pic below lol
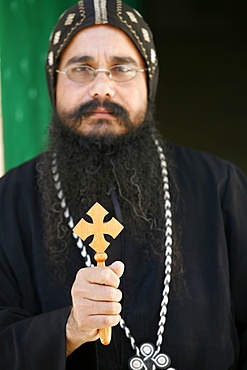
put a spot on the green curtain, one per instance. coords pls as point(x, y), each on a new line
point(25, 26)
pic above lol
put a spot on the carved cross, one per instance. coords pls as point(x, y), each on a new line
point(98, 229)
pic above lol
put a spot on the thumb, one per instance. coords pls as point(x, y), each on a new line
point(118, 268)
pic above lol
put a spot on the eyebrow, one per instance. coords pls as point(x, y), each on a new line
point(123, 60)
point(114, 59)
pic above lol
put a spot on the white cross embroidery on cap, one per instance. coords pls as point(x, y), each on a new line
point(56, 37)
point(132, 17)
point(50, 58)
point(146, 35)
point(153, 56)
point(69, 19)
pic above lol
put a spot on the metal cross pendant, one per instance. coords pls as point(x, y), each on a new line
point(98, 228)
point(146, 360)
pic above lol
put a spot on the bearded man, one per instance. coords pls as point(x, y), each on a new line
point(181, 302)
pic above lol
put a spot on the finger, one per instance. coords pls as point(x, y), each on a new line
point(95, 322)
point(92, 308)
point(110, 275)
point(98, 275)
point(118, 268)
point(103, 308)
point(97, 292)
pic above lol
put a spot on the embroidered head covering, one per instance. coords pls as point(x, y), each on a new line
point(86, 13)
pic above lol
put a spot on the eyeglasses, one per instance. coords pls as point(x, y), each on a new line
point(118, 73)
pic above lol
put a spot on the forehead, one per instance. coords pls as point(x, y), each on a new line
point(100, 42)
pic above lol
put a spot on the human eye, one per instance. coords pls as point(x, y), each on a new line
point(122, 73)
point(81, 69)
point(121, 69)
point(80, 73)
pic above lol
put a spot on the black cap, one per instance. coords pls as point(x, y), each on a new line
point(86, 13)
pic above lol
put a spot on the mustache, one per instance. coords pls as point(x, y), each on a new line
point(85, 110)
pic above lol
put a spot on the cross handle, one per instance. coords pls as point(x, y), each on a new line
point(98, 228)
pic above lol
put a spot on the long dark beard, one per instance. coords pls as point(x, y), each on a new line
point(91, 169)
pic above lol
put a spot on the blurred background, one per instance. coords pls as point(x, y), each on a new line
point(202, 94)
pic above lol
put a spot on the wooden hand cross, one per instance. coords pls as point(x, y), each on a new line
point(98, 228)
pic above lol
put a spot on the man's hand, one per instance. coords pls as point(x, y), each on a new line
point(95, 304)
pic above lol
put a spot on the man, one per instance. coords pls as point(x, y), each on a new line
point(181, 302)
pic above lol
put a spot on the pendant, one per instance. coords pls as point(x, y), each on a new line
point(146, 360)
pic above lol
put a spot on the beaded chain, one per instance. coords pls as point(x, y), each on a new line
point(146, 352)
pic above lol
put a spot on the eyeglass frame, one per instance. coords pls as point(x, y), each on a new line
point(107, 71)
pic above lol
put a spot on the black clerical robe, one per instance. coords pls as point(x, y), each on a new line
point(207, 313)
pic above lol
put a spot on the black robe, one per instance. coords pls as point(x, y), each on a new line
point(207, 316)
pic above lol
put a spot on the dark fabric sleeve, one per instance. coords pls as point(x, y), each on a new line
point(235, 214)
point(31, 338)
point(33, 309)
point(28, 341)
point(33, 343)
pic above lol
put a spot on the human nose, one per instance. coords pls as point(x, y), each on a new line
point(101, 86)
